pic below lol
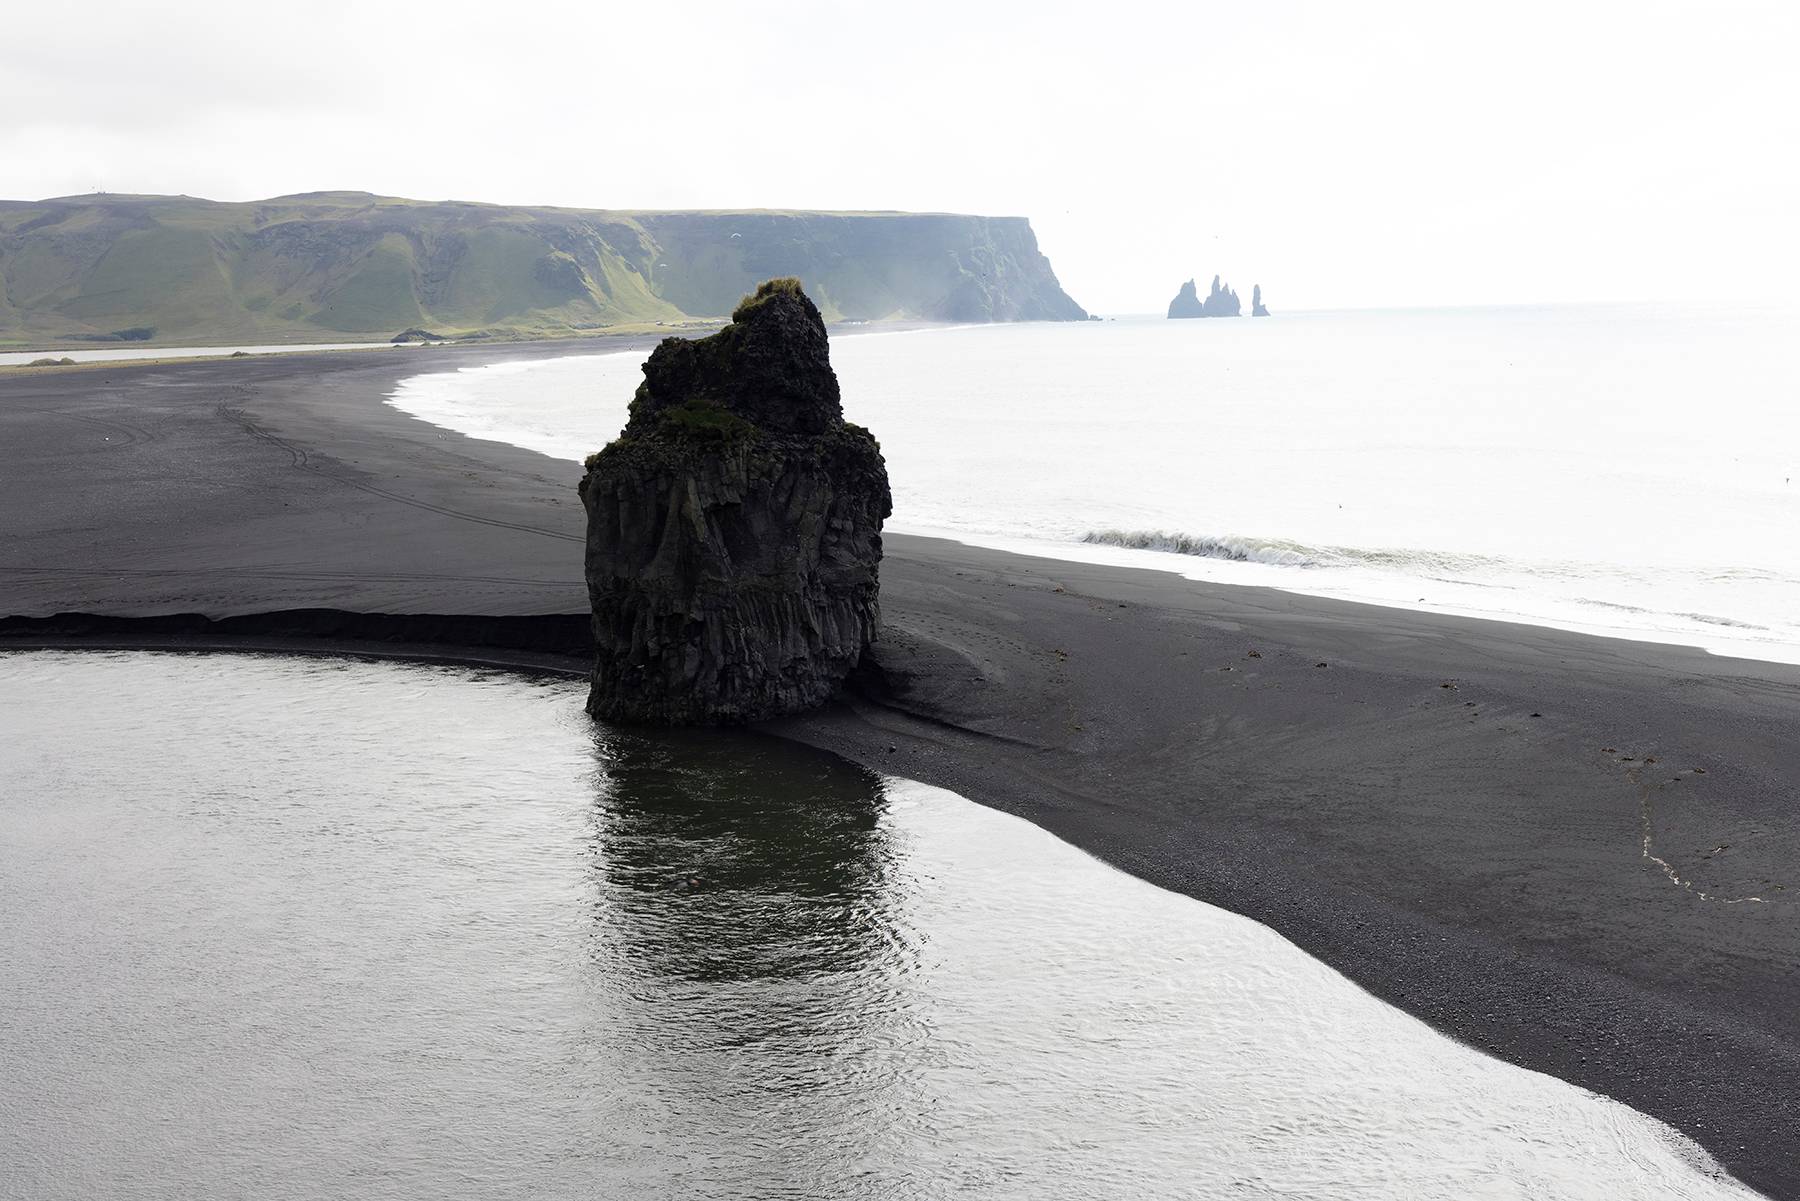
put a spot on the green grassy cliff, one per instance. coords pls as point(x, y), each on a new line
point(345, 266)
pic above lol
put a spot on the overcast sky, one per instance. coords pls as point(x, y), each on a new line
point(1339, 153)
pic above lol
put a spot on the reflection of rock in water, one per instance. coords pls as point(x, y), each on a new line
point(735, 857)
point(770, 1004)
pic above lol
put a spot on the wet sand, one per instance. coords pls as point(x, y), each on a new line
point(1577, 853)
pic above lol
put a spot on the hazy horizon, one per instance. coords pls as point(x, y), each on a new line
point(1420, 156)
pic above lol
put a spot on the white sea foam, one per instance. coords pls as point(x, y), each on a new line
point(1234, 550)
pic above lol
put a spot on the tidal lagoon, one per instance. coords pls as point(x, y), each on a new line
point(323, 928)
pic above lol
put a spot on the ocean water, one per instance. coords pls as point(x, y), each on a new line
point(1626, 470)
point(307, 928)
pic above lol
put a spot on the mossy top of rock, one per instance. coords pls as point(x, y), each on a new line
point(786, 286)
point(768, 371)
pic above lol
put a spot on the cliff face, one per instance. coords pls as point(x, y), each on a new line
point(326, 265)
point(734, 527)
point(933, 267)
point(1220, 302)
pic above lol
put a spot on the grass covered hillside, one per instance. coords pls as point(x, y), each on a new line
point(343, 266)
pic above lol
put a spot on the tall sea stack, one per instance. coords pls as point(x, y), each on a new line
point(734, 527)
point(1220, 302)
point(1187, 302)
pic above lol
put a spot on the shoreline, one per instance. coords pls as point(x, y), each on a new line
point(1472, 853)
point(622, 340)
point(120, 353)
point(1575, 589)
point(419, 654)
point(1194, 568)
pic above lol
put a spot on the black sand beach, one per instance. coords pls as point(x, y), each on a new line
point(1577, 853)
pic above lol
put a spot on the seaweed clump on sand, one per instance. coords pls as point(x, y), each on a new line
point(734, 527)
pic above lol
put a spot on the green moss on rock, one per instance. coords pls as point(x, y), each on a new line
point(787, 285)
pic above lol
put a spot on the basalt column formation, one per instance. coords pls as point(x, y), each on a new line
point(734, 527)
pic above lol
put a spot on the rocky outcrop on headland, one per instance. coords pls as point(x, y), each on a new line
point(1220, 302)
point(734, 527)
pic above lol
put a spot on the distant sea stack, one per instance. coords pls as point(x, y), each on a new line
point(1187, 302)
point(1256, 304)
point(734, 527)
point(1220, 302)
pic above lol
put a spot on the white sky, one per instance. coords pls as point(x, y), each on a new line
point(1339, 153)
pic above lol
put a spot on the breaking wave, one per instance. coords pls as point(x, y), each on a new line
point(1445, 566)
point(1237, 550)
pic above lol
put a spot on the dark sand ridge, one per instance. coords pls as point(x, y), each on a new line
point(1475, 854)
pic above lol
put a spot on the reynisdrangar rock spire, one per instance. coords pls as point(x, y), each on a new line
point(1222, 301)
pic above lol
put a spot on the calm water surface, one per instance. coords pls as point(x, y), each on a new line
point(294, 928)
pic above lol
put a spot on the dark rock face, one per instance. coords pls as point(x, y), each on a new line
point(1004, 277)
point(1256, 304)
point(1220, 302)
point(734, 527)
